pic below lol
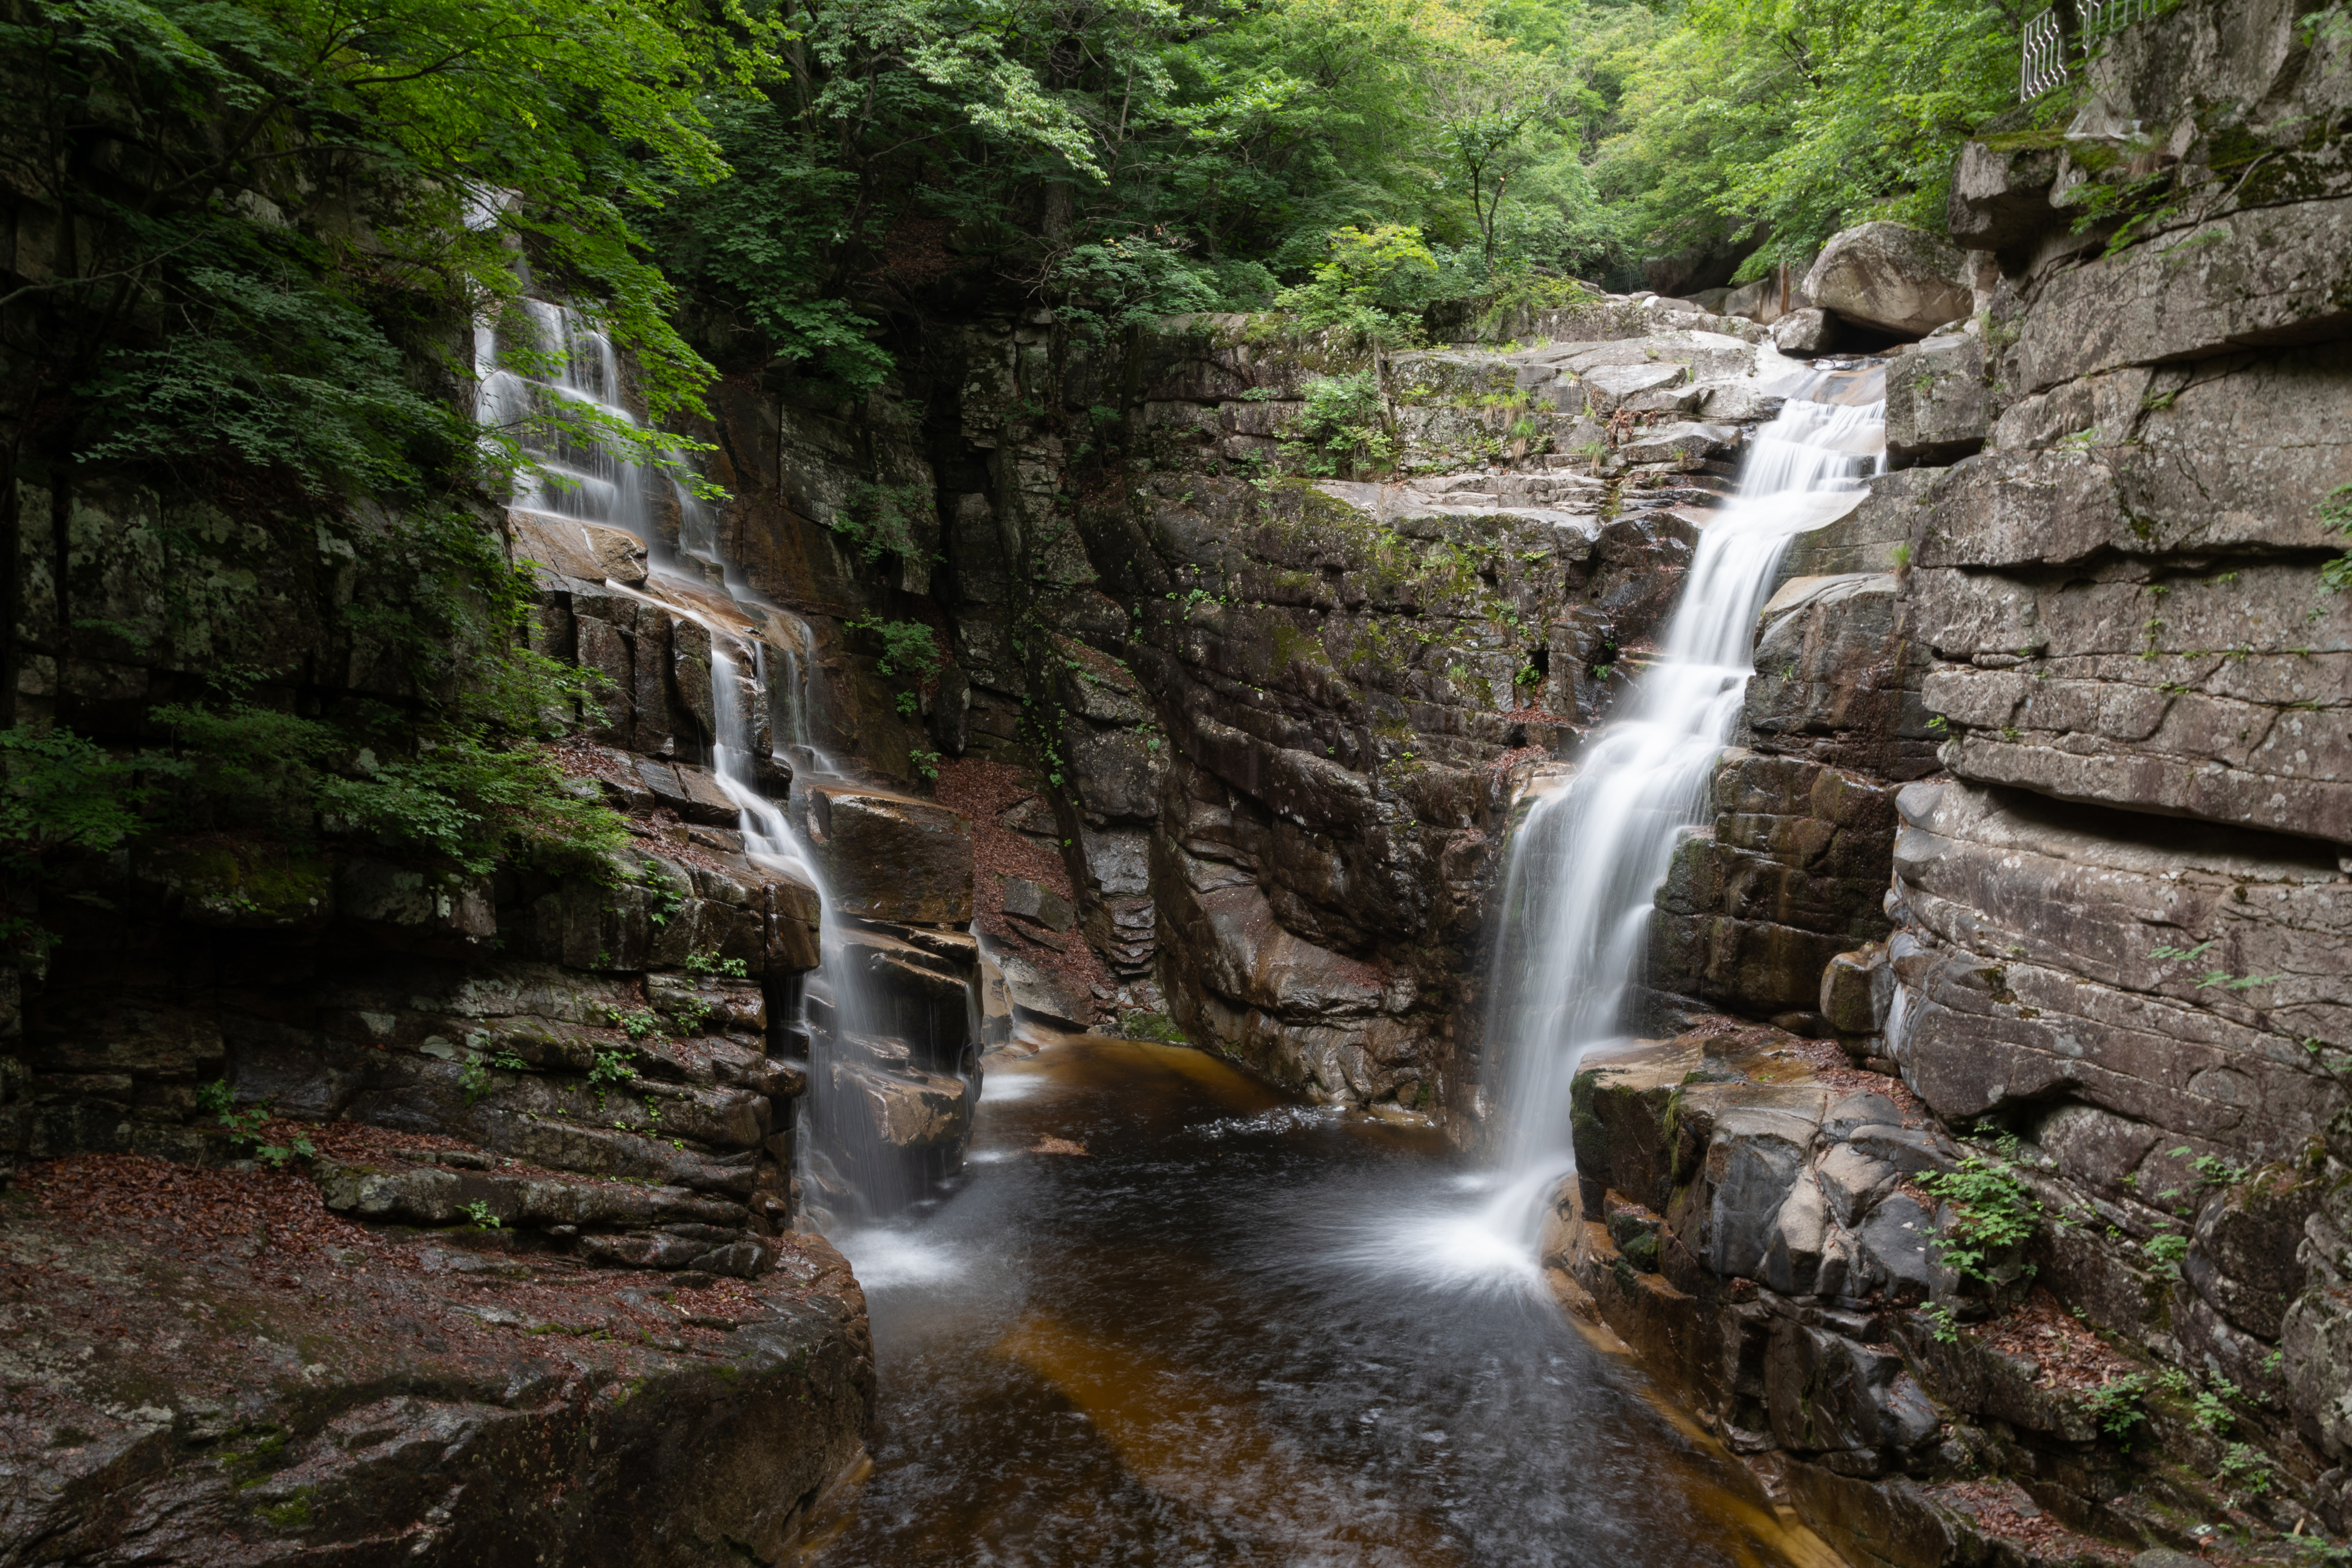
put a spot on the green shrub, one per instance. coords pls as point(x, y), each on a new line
point(1341, 427)
point(1372, 284)
point(1990, 1214)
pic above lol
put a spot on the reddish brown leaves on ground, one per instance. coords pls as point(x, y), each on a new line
point(2069, 1351)
point(2003, 1508)
point(1837, 1071)
point(191, 1211)
point(986, 793)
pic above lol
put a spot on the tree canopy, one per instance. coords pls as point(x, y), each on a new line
point(251, 241)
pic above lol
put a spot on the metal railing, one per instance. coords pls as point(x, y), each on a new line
point(2052, 46)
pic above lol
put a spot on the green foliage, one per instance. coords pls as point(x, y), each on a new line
point(1372, 285)
point(271, 341)
point(2246, 1470)
point(468, 789)
point(478, 1211)
point(1990, 1214)
point(637, 1024)
point(2118, 1406)
point(2336, 517)
point(1341, 426)
point(879, 519)
point(1132, 281)
point(1787, 120)
point(61, 792)
point(700, 963)
point(1942, 1323)
point(474, 1079)
point(611, 1068)
point(245, 1128)
point(911, 649)
point(908, 647)
point(2165, 1251)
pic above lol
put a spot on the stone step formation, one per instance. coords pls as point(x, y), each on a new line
point(1975, 1165)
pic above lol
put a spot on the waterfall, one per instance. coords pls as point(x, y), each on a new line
point(565, 478)
point(1584, 864)
point(755, 712)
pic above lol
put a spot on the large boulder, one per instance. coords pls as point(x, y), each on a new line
point(1891, 277)
point(885, 856)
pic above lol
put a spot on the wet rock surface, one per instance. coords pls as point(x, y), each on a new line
point(2076, 661)
point(207, 1366)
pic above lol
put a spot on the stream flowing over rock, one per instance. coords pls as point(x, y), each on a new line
point(364, 1204)
point(2053, 740)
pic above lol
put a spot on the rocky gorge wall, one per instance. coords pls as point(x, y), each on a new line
point(2059, 721)
point(1223, 742)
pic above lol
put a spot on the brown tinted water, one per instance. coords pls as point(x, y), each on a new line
point(1205, 1341)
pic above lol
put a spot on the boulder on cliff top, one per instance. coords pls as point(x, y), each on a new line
point(1891, 277)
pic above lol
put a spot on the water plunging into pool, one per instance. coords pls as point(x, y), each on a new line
point(1182, 1343)
point(1232, 1331)
point(765, 686)
point(1571, 923)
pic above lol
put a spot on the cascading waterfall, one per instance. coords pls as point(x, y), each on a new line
point(567, 478)
point(690, 579)
point(1585, 864)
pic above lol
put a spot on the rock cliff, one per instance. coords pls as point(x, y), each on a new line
point(2059, 727)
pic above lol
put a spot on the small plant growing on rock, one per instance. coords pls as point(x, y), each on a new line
point(245, 1126)
point(2118, 1405)
point(662, 899)
point(479, 1213)
point(712, 963)
point(1990, 1214)
point(609, 1067)
point(2336, 517)
point(638, 1023)
point(1340, 427)
point(474, 1078)
point(1941, 1323)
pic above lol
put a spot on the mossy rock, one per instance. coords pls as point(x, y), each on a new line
point(241, 884)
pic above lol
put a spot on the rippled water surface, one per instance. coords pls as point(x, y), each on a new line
point(1238, 1331)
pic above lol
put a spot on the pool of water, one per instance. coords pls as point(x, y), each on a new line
point(1212, 1337)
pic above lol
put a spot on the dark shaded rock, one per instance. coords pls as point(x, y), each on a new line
point(333, 1389)
point(1752, 911)
point(2000, 198)
point(888, 856)
point(1825, 1392)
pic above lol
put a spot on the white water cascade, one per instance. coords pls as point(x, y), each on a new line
point(763, 670)
point(1584, 865)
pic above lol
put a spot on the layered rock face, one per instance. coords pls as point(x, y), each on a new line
point(1348, 669)
point(539, 1101)
point(1260, 719)
point(2076, 708)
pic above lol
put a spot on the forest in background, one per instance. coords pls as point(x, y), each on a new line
point(247, 238)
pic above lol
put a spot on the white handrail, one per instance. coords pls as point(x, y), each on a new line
point(2043, 62)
